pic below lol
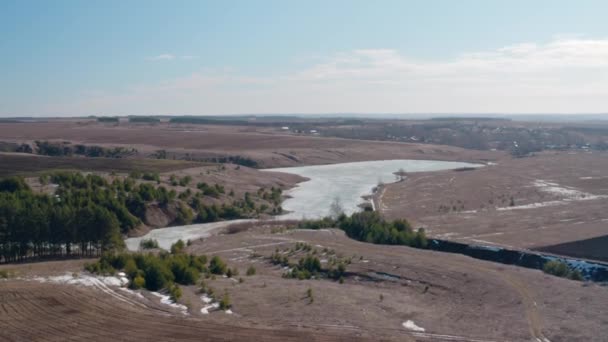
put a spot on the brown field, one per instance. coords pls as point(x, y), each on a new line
point(269, 148)
point(29, 164)
point(554, 202)
point(455, 298)
point(466, 206)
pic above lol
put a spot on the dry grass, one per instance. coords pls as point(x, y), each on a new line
point(20, 164)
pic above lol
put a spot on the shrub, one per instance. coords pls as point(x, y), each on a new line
point(225, 302)
point(178, 247)
point(175, 292)
point(131, 269)
point(217, 265)
point(185, 181)
point(184, 215)
point(561, 269)
point(157, 275)
point(576, 275)
point(251, 271)
point(148, 244)
point(138, 282)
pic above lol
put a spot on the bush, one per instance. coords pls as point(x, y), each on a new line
point(178, 247)
point(251, 271)
point(131, 269)
point(175, 292)
point(185, 181)
point(138, 282)
point(148, 244)
point(217, 265)
point(13, 184)
point(225, 302)
point(157, 276)
point(561, 269)
point(184, 215)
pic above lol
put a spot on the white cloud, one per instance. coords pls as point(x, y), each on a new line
point(170, 57)
point(162, 57)
point(565, 75)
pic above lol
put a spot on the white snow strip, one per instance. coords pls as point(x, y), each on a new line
point(410, 325)
point(532, 205)
point(100, 283)
point(166, 300)
point(205, 310)
point(206, 299)
point(137, 294)
point(554, 188)
point(468, 212)
point(85, 280)
point(569, 195)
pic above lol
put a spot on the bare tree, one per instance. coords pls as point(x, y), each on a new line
point(336, 209)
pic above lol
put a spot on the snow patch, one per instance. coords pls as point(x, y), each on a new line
point(100, 283)
point(468, 212)
point(214, 306)
point(206, 299)
point(166, 300)
point(86, 280)
point(410, 325)
point(136, 294)
point(554, 188)
point(568, 194)
point(229, 312)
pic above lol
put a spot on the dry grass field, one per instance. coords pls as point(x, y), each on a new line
point(30, 164)
point(268, 148)
point(452, 297)
point(528, 203)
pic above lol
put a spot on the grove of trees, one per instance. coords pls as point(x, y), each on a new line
point(83, 217)
point(369, 226)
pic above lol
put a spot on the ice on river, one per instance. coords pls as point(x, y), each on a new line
point(348, 182)
point(167, 236)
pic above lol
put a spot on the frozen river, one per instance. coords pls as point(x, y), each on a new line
point(347, 182)
point(168, 236)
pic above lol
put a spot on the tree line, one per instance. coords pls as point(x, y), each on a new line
point(87, 214)
point(369, 226)
point(83, 217)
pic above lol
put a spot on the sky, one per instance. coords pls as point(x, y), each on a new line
point(77, 58)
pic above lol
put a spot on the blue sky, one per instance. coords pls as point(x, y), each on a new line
point(226, 57)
